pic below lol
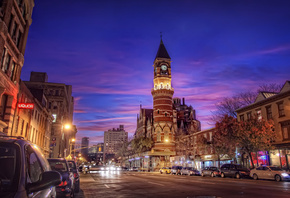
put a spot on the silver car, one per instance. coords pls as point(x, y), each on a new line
point(269, 172)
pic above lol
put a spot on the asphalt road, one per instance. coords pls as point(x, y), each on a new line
point(138, 184)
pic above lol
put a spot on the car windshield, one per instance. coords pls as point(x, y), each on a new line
point(9, 167)
point(59, 166)
point(275, 168)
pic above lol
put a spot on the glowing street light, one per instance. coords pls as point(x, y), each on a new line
point(67, 126)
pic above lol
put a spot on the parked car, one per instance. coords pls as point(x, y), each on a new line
point(73, 167)
point(24, 172)
point(66, 187)
point(270, 172)
point(175, 170)
point(166, 170)
point(234, 170)
point(210, 171)
point(189, 171)
point(133, 169)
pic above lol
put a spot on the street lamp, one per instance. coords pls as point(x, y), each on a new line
point(67, 126)
point(71, 143)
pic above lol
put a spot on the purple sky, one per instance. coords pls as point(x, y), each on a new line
point(105, 49)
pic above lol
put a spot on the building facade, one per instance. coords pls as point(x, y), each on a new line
point(61, 104)
point(113, 141)
point(33, 122)
point(15, 20)
point(276, 107)
point(85, 147)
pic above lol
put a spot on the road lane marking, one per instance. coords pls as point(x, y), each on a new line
point(156, 183)
point(106, 186)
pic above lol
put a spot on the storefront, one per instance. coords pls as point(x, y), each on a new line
point(277, 157)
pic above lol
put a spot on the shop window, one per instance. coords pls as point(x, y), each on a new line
point(283, 159)
point(274, 158)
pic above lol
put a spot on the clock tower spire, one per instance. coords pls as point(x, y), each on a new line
point(162, 93)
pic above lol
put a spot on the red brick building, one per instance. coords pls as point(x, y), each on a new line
point(15, 20)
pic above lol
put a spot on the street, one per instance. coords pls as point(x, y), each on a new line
point(139, 184)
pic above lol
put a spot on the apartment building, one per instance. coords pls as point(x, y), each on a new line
point(15, 20)
point(276, 107)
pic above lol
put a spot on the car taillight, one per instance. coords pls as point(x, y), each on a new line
point(75, 175)
point(63, 183)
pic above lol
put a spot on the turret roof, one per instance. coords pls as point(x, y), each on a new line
point(162, 52)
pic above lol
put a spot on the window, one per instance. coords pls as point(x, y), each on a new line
point(16, 125)
point(158, 136)
point(269, 112)
point(249, 115)
point(259, 114)
point(281, 109)
point(12, 71)
point(6, 62)
point(242, 117)
point(26, 130)
point(3, 58)
point(34, 169)
point(22, 127)
point(13, 33)
point(285, 126)
point(10, 22)
point(18, 38)
point(3, 106)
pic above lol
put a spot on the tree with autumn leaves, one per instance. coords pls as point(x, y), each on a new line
point(223, 139)
point(251, 135)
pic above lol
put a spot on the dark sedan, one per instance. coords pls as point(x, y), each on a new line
point(234, 170)
point(66, 187)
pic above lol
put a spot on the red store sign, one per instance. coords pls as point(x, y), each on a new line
point(25, 105)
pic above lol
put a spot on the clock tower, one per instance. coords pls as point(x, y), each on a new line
point(162, 93)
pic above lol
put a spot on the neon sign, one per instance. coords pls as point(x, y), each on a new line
point(25, 105)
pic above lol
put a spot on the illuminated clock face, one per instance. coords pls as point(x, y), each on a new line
point(163, 67)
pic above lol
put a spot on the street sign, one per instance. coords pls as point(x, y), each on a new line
point(25, 105)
